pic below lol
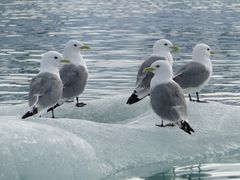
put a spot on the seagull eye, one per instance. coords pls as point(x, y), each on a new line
point(157, 66)
point(165, 44)
point(55, 57)
point(75, 45)
point(208, 49)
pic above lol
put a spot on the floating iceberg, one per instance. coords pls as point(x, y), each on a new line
point(108, 139)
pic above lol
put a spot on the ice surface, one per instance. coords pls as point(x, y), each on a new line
point(109, 110)
point(108, 139)
point(36, 151)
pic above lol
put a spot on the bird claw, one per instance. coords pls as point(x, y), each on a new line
point(81, 104)
point(198, 101)
point(202, 101)
point(165, 125)
point(169, 125)
point(159, 125)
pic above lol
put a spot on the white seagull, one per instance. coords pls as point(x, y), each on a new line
point(46, 86)
point(166, 96)
point(196, 74)
point(161, 51)
point(74, 76)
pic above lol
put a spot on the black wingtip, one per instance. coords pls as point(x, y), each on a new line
point(30, 113)
point(133, 99)
point(186, 127)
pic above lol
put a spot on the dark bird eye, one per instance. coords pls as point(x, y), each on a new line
point(208, 49)
point(157, 66)
point(75, 45)
point(165, 44)
point(55, 57)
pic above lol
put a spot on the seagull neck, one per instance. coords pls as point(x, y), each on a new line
point(49, 69)
point(169, 58)
point(76, 59)
point(166, 55)
point(160, 79)
point(205, 60)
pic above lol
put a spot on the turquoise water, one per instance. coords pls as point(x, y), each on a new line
point(121, 34)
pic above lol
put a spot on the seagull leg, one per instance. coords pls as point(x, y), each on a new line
point(160, 125)
point(190, 98)
point(198, 100)
point(52, 110)
point(80, 104)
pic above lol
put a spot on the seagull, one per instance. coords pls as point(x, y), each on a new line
point(196, 74)
point(166, 96)
point(46, 86)
point(74, 76)
point(161, 51)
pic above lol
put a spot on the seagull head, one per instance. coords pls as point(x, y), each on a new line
point(72, 51)
point(50, 62)
point(164, 46)
point(75, 46)
point(52, 58)
point(201, 51)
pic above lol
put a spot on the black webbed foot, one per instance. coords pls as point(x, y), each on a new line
point(199, 101)
point(159, 125)
point(81, 104)
point(169, 125)
point(165, 125)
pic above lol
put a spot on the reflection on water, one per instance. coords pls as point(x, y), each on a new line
point(121, 34)
point(201, 171)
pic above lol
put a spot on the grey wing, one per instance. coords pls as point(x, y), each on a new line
point(192, 74)
point(168, 102)
point(74, 80)
point(38, 86)
point(144, 79)
point(147, 63)
point(68, 74)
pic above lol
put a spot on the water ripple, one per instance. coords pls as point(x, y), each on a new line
point(121, 34)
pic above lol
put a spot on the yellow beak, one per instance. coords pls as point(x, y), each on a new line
point(175, 48)
point(85, 46)
point(65, 61)
point(212, 52)
point(148, 69)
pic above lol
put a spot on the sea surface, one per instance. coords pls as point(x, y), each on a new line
point(121, 34)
